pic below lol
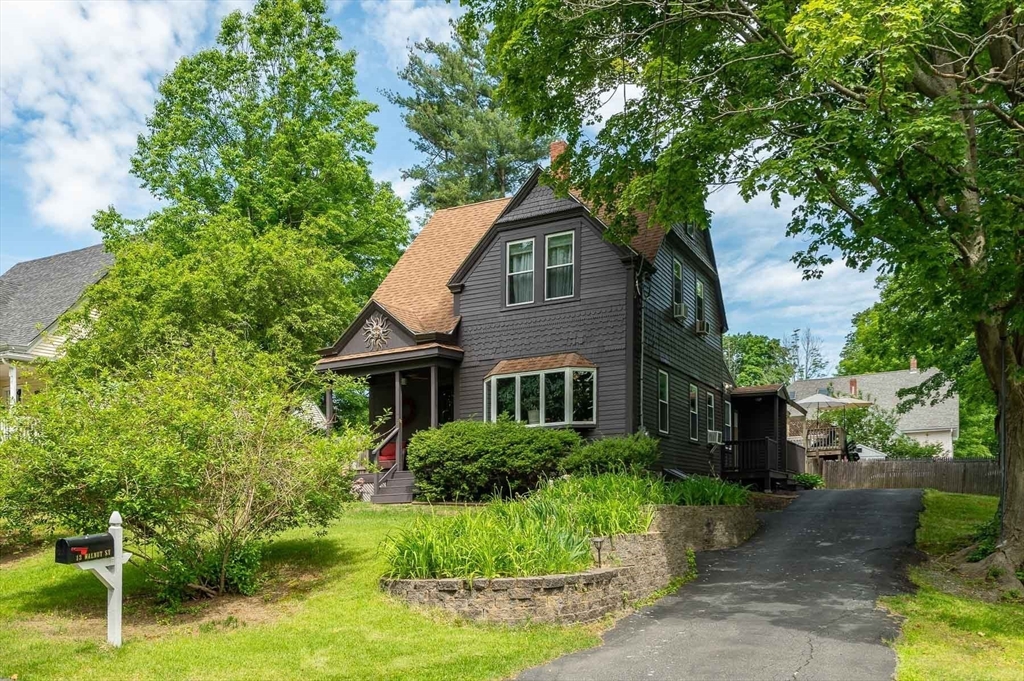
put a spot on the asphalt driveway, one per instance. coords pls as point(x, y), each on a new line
point(797, 601)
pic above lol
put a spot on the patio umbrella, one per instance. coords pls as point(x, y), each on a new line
point(819, 402)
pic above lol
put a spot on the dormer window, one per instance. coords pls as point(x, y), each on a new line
point(558, 265)
point(519, 281)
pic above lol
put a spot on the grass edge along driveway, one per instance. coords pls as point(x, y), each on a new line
point(949, 632)
point(334, 623)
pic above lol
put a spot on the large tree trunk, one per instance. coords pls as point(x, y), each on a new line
point(1009, 557)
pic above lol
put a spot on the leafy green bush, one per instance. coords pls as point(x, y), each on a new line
point(200, 449)
point(904, 447)
point(878, 428)
point(986, 537)
point(547, 532)
point(809, 480)
point(473, 460)
point(608, 454)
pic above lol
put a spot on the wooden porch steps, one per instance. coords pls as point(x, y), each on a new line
point(400, 489)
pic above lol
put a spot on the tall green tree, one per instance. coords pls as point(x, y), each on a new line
point(876, 343)
point(473, 150)
point(272, 227)
point(806, 355)
point(899, 124)
point(754, 359)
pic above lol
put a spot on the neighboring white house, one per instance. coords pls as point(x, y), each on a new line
point(33, 296)
point(927, 423)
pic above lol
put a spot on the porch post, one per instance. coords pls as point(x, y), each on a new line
point(433, 396)
point(329, 408)
point(12, 375)
point(399, 452)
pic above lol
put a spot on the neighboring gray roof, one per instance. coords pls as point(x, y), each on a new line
point(881, 388)
point(34, 293)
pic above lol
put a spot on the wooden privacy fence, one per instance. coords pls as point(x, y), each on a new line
point(965, 476)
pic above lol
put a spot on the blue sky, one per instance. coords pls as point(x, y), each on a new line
point(77, 80)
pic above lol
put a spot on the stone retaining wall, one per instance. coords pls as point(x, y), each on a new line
point(632, 567)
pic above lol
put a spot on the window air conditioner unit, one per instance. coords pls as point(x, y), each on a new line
point(679, 310)
point(702, 328)
point(715, 437)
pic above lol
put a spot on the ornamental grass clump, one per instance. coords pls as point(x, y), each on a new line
point(504, 539)
point(547, 532)
point(700, 490)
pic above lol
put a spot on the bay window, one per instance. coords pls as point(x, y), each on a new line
point(558, 265)
point(519, 280)
point(554, 397)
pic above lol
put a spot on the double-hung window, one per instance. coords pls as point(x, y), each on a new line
point(727, 421)
point(711, 413)
point(554, 397)
point(693, 412)
point(678, 306)
point(559, 265)
point(699, 294)
point(662, 402)
point(519, 277)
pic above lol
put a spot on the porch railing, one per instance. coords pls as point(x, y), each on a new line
point(825, 438)
point(796, 457)
point(750, 455)
point(373, 456)
point(762, 454)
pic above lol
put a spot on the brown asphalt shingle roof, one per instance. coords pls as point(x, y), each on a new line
point(559, 361)
point(416, 290)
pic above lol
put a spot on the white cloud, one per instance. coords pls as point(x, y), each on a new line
point(397, 24)
point(77, 81)
point(613, 102)
point(764, 291)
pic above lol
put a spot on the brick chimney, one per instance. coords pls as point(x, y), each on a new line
point(556, 149)
point(913, 364)
point(853, 387)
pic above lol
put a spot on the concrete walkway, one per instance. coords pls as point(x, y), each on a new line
point(795, 602)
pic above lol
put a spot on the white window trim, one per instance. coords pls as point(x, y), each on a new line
point(727, 417)
point(571, 264)
point(491, 384)
point(694, 399)
point(509, 274)
point(710, 416)
point(667, 402)
point(677, 266)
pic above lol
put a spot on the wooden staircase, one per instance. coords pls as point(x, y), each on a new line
point(400, 488)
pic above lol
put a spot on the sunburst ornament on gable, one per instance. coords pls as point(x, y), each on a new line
point(376, 332)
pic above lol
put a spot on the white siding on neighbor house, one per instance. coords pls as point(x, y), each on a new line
point(943, 437)
point(47, 345)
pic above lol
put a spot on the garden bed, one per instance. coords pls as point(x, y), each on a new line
point(632, 567)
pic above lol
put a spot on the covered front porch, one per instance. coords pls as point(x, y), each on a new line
point(409, 389)
point(759, 452)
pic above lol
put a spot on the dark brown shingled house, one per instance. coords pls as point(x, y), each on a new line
point(519, 306)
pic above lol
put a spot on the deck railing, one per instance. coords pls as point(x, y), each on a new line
point(825, 438)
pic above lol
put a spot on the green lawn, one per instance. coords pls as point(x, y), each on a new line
point(321, 616)
point(948, 634)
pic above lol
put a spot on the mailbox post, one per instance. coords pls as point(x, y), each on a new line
point(102, 554)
